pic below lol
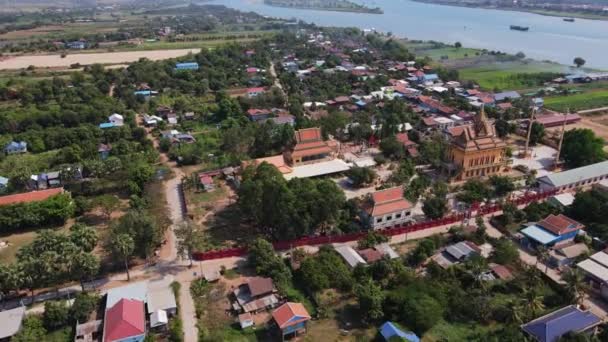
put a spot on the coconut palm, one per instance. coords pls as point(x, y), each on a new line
point(533, 303)
point(542, 255)
point(123, 246)
point(575, 285)
point(516, 312)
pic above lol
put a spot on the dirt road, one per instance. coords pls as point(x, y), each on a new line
point(54, 61)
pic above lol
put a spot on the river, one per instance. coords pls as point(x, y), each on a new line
point(549, 38)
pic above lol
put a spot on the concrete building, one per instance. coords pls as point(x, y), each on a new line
point(386, 208)
point(581, 176)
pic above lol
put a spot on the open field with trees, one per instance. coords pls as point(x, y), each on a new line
point(584, 100)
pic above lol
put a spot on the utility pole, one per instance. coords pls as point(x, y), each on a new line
point(532, 118)
point(561, 139)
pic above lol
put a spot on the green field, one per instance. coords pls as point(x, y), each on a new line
point(580, 101)
point(510, 75)
point(449, 52)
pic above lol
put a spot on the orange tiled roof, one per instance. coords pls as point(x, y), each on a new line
point(560, 224)
point(388, 201)
point(290, 314)
point(28, 197)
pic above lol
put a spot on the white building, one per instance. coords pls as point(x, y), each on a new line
point(116, 119)
point(387, 208)
point(582, 176)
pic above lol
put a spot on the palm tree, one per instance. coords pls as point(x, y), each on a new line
point(123, 246)
point(543, 256)
point(575, 285)
point(85, 266)
point(83, 236)
point(516, 312)
point(533, 302)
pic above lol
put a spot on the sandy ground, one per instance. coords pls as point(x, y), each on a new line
point(52, 61)
point(541, 160)
point(596, 123)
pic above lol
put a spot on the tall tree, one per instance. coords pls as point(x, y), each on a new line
point(370, 298)
point(189, 239)
point(582, 147)
point(84, 267)
point(83, 236)
point(123, 246)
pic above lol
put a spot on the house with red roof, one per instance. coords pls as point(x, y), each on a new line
point(253, 92)
point(125, 322)
point(386, 208)
point(256, 114)
point(552, 231)
point(291, 319)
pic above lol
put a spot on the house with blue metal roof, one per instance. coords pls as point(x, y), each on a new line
point(552, 231)
point(551, 327)
point(187, 66)
point(15, 147)
point(390, 332)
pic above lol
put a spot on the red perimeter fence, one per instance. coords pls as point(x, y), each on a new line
point(404, 229)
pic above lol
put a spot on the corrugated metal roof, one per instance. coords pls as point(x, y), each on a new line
point(537, 233)
point(138, 291)
point(351, 257)
point(576, 175)
point(600, 258)
point(551, 327)
point(10, 321)
point(594, 269)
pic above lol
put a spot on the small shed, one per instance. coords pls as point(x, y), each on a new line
point(246, 320)
point(390, 332)
point(158, 319)
point(350, 256)
point(10, 322)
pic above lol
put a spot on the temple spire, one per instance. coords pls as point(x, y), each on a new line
point(482, 125)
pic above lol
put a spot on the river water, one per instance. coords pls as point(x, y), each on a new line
point(549, 38)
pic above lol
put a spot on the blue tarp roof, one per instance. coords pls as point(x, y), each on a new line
point(551, 327)
point(106, 125)
point(143, 92)
point(388, 330)
point(187, 65)
point(539, 234)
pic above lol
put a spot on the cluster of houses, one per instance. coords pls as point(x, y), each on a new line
point(259, 295)
point(366, 256)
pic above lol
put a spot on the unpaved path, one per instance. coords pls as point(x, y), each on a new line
point(54, 61)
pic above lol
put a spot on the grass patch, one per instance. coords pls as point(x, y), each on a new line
point(231, 274)
point(444, 331)
point(449, 52)
point(511, 75)
point(580, 101)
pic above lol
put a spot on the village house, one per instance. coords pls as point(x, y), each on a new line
point(104, 151)
point(45, 180)
point(10, 322)
point(456, 253)
point(386, 208)
point(565, 256)
point(186, 66)
point(125, 321)
point(116, 119)
point(257, 295)
point(349, 255)
point(16, 147)
point(291, 319)
point(553, 231)
point(595, 269)
point(551, 327)
point(151, 120)
point(3, 184)
point(254, 92)
point(390, 332)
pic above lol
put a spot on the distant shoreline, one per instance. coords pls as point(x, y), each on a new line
point(329, 9)
point(547, 13)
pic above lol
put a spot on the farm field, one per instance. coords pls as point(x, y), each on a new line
point(54, 61)
point(580, 101)
point(505, 75)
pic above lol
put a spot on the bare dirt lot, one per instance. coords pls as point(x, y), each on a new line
point(54, 61)
point(596, 123)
